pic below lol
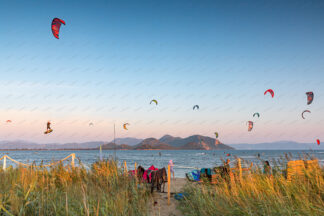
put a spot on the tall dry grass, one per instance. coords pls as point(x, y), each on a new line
point(102, 190)
point(258, 194)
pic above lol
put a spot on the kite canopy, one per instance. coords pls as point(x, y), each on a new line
point(155, 101)
point(90, 124)
point(310, 97)
point(48, 131)
point(269, 91)
point(8, 121)
point(318, 142)
point(256, 114)
point(304, 112)
point(250, 125)
point(56, 25)
point(216, 134)
point(195, 107)
point(124, 125)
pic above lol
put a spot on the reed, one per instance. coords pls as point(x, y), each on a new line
point(258, 194)
point(63, 190)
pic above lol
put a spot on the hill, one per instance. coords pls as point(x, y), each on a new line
point(152, 143)
point(169, 139)
point(167, 142)
point(195, 142)
point(128, 141)
point(113, 146)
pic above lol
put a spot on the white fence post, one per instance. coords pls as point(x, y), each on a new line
point(4, 162)
point(72, 162)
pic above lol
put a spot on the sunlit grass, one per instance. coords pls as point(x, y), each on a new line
point(258, 194)
point(102, 190)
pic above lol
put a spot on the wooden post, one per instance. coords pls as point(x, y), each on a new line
point(239, 169)
point(135, 169)
point(169, 184)
point(4, 162)
point(125, 167)
point(135, 172)
point(72, 161)
point(100, 154)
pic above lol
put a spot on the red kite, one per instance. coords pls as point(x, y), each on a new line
point(56, 25)
point(270, 91)
point(250, 125)
point(310, 97)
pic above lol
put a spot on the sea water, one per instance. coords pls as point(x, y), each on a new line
point(184, 160)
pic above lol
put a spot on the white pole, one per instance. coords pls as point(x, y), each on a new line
point(115, 139)
point(100, 153)
point(72, 162)
point(4, 162)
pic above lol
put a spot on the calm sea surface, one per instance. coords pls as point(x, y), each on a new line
point(184, 160)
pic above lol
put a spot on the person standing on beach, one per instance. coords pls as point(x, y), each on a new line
point(171, 167)
point(226, 171)
point(227, 167)
point(267, 168)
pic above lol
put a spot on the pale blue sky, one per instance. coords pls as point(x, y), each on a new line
point(113, 57)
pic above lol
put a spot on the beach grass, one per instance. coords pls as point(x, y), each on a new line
point(258, 194)
point(64, 190)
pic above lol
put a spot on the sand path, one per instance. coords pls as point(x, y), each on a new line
point(161, 208)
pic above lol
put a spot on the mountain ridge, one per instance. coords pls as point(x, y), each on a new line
point(278, 145)
point(168, 142)
point(191, 142)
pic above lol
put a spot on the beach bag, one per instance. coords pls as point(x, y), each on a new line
point(193, 175)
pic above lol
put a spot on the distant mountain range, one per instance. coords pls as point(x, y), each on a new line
point(19, 144)
point(128, 141)
point(280, 145)
point(167, 142)
point(195, 142)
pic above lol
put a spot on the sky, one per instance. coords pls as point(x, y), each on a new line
point(114, 57)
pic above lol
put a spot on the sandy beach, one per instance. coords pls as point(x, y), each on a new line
point(162, 208)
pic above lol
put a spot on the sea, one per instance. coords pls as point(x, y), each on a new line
point(184, 160)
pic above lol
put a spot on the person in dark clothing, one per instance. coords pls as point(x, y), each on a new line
point(226, 171)
point(48, 128)
point(48, 125)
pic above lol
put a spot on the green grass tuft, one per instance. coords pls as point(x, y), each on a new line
point(102, 190)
